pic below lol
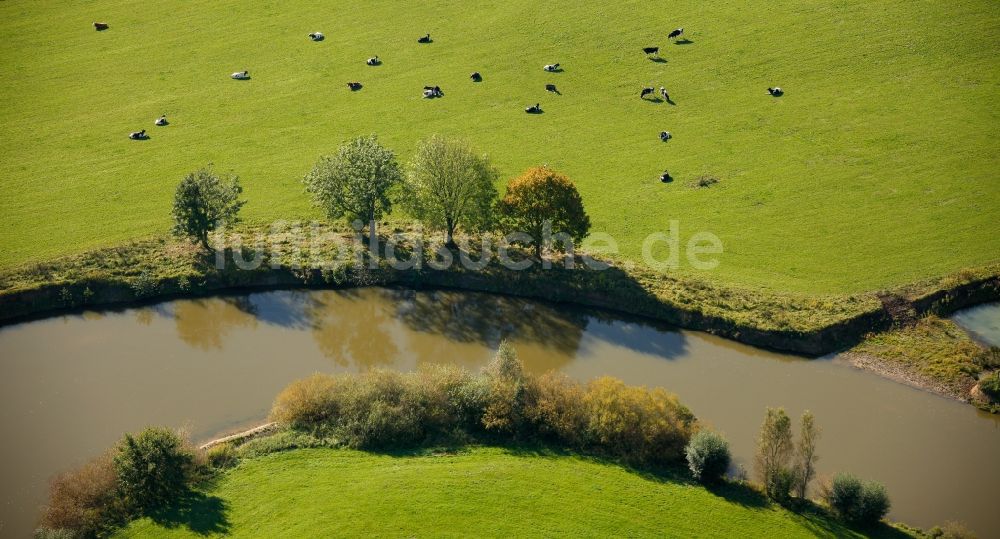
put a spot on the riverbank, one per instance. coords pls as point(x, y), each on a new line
point(165, 268)
point(933, 354)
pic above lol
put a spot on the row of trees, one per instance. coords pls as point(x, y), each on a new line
point(447, 186)
point(785, 468)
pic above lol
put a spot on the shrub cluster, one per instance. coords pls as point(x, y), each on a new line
point(142, 473)
point(858, 502)
point(708, 456)
point(439, 404)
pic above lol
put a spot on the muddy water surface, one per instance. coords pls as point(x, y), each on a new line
point(72, 385)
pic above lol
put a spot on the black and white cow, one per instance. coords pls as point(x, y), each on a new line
point(646, 91)
point(665, 136)
point(476, 77)
point(534, 109)
point(317, 36)
point(241, 75)
point(138, 135)
point(775, 92)
point(425, 39)
point(354, 86)
point(551, 88)
point(100, 26)
point(676, 33)
point(373, 61)
point(551, 67)
point(651, 50)
point(161, 121)
point(663, 92)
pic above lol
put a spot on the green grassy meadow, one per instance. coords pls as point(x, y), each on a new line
point(877, 167)
point(481, 492)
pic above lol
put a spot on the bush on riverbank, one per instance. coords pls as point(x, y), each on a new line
point(386, 409)
point(857, 502)
point(143, 473)
point(708, 456)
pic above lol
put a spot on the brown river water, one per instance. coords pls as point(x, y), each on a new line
point(71, 385)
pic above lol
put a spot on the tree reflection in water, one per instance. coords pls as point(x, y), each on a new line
point(203, 323)
point(351, 328)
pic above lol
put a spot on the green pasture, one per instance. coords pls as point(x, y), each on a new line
point(877, 167)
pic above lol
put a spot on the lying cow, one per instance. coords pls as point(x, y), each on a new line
point(317, 36)
point(433, 91)
point(241, 75)
point(775, 92)
point(665, 136)
point(161, 121)
point(476, 77)
point(138, 135)
point(551, 67)
point(100, 26)
point(373, 61)
point(354, 86)
point(551, 88)
point(425, 39)
point(534, 109)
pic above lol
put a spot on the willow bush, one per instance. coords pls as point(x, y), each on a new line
point(503, 403)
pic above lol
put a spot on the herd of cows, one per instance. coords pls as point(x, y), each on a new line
point(431, 92)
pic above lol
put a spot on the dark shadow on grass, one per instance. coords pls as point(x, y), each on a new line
point(684, 41)
point(655, 100)
point(196, 511)
point(658, 60)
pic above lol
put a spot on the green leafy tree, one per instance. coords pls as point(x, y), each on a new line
point(355, 182)
point(708, 456)
point(203, 202)
point(774, 451)
point(805, 454)
point(543, 195)
point(153, 467)
point(449, 186)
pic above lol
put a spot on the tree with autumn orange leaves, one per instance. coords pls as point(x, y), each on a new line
point(539, 196)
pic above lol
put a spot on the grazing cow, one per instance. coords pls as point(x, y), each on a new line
point(138, 135)
point(241, 75)
point(425, 39)
point(317, 36)
point(665, 136)
point(676, 33)
point(775, 92)
point(551, 88)
point(162, 120)
point(666, 177)
point(663, 92)
point(536, 109)
point(476, 77)
point(354, 86)
point(646, 91)
point(373, 61)
point(651, 50)
point(100, 26)
point(551, 67)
